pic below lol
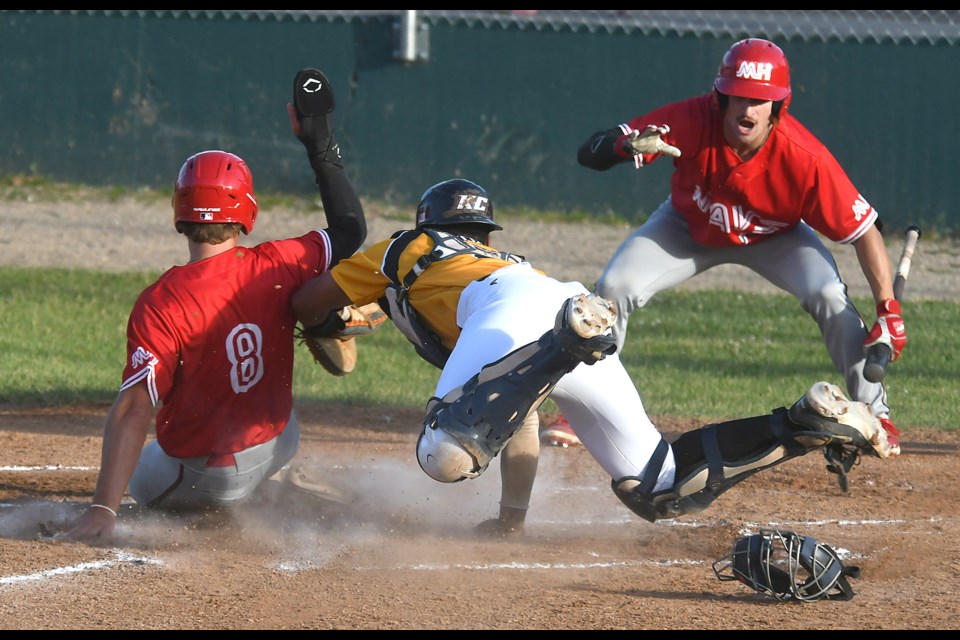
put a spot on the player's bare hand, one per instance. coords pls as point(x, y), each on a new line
point(650, 141)
point(93, 526)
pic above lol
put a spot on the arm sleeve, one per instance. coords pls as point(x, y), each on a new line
point(346, 224)
point(599, 152)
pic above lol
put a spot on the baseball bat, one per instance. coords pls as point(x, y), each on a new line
point(879, 355)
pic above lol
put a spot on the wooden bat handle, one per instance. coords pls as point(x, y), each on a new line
point(879, 355)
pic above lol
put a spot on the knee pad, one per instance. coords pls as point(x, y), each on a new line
point(444, 458)
point(488, 409)
point(468, 427)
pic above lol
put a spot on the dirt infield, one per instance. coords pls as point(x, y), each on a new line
point(405, 556)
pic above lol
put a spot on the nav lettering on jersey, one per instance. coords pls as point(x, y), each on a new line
point(861, 208)
point(755, 70)
point(701, 199)
point(733, 219)
point(472, 203)
point(142, 356)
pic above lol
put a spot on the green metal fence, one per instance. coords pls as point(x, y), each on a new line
point(122, 97)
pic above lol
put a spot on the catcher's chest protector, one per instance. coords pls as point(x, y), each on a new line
point(396, 302)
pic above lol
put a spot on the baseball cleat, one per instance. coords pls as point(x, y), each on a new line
point(824, 408)
point(583, 325)
point(496, 528)
point(589, 315)
point(508, 525)
point(560, 434)
point(305, 481)
point(893, 435)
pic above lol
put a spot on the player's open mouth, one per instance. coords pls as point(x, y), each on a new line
point(746, 125)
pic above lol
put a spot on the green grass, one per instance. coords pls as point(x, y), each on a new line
point(720, 354)
point(712, 355)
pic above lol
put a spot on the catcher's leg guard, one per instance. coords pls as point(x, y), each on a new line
point(467, 428)
point(716, 457)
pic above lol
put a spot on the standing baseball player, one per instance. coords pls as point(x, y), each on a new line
point(752, 186)
point(211, 342)
point(506, 336)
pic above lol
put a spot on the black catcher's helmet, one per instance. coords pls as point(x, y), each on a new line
point(456, 202)
point(786, 566)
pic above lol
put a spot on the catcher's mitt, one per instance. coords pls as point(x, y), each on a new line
point(360, 321)
point(333, 343)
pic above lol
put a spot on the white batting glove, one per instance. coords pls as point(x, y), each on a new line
point(649, 141)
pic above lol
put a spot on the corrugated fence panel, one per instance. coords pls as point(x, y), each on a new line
point(123, 97)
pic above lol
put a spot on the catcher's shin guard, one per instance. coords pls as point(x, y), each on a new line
point(716, 457)
point(469, 426)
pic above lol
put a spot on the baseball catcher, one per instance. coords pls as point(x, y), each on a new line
point(506, 336)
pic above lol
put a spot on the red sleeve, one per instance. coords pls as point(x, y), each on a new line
point(840, 213)
point(152, 352)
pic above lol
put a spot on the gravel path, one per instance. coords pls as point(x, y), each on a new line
point(125, 235)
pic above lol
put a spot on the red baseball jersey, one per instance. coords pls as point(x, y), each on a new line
point(729, 202)
point(213, 341)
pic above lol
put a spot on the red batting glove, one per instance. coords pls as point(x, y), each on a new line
point(888, 329)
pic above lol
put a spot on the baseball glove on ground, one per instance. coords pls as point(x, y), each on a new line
point(333, 344)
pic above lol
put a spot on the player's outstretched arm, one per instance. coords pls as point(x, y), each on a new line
point(317, 298)
point(124, 435)
point(311, 120)
point(598, 152)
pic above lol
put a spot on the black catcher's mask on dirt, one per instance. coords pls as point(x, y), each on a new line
point(787, 566)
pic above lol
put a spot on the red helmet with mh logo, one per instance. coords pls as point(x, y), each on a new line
point(755, 68)
point(215, 186)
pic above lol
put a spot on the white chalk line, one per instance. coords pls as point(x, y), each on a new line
point(121, 558)
point(526, 566)
point(54, 467)
point(294, 566)
point(306, 565)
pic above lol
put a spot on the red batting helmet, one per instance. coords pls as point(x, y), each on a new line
point(215, 186)
point(755, 68)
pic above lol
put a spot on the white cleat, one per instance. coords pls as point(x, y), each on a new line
point(590, 315)
point(310, 482)
point(825, 408)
